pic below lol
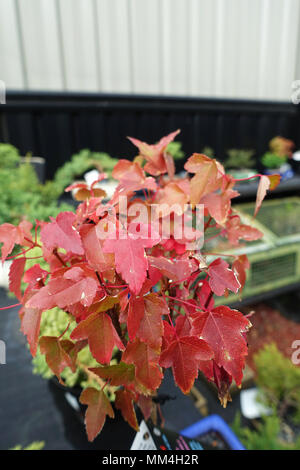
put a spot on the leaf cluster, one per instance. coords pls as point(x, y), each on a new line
point(240, 159)
point(137, 297)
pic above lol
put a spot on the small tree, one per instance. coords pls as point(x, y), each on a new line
point(137, 292)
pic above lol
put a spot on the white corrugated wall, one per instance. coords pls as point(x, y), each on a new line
point(216, 48)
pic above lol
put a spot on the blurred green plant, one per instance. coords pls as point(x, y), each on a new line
point(79, 164)
point(280, 150)
point(208, 151)
point(174, 149)
point(279, 381)
point(272, 161)
point(265, 436)
point(240, 159)
point(36, 445)
point(9, 156)
point(22, 196)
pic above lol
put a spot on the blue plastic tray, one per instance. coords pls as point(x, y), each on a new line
point(213, 423)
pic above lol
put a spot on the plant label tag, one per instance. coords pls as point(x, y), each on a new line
point(152, 437)
point(143, 439)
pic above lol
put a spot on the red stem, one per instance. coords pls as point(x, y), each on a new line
point(10, 306)
point(68, 326)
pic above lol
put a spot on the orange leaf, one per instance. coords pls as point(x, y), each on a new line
point(98, 408)
point(124, 403)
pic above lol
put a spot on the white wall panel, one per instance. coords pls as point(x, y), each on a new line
point(41, 44)
point(114, 51)
point(11, 71)
point(175, 46)
point(221, 48)
point(145, 22)
point(79, 44)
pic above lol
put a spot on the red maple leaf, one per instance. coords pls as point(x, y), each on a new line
point(76, 284)
point(157, 161)
point(98, 408)
point(222, 328)
point(93, 247)
point(30, 326)
point(16, 272)
point(150, 329)
point(184, 354)
point(235, 231)
point(102, 337)
point(221, 277)
point(266, 182)
point(175, 269)
point(11, 236)
point(117, 374)
point(124, 402)
point(57, 354)
point(61, 233)
point(130, 259)
point(35, 276)
point(145, 359)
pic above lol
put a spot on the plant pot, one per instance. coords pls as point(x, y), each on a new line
point(295, 162)
point(39, 165)
point(242, 173)
point(285, 171)
point(116, 434)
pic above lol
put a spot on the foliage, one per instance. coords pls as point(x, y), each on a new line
point(22, 196)
point(281, 146)
point(273, 161)
point(266, 436)
point(208, 151)
point(36, 445)
point(79, 164)
point(130, 287)
point(280, 149)
point(174, 149)
point(54, 322)
point(240, 159)
point(9, 156)
point(279, 380)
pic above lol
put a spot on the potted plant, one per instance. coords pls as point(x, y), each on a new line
point(240, 163)
point(276, 159)
point(278, 382)
point(126, 273)
point(80, 164)
point(208, 151)
point(10, 158)
point(22, 195)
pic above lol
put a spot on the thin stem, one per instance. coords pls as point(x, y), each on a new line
point(249, 178)
point(21, 253)
point(10, 306)
point(207, 224)
point(185, 302)
point(59, 258)
point(180, 281)
point(211, 238)
point(68, 326)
